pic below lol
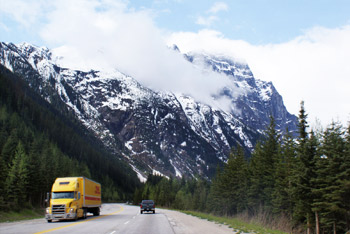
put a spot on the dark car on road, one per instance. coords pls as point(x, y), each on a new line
point(147, 205)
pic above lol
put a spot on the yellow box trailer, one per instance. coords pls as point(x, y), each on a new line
point(73, 198)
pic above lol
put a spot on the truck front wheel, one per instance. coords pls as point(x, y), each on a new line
point(49, 220)
point(84, 214)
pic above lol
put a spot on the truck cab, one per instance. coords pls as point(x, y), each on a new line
point(73, 198)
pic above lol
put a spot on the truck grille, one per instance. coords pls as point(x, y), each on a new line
point(58, 209)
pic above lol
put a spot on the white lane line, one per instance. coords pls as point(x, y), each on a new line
point(112, 232)
point(127, 222)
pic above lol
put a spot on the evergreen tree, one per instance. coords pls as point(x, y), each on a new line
point(262, 167)
point(3, 126)
point(282, 201)
point(200, 195)
point(137, 198)
point(3, 175)
point(8, 150)
point(35, 175)
point(331, 188)
point(181, 199)
point(16, 184)
point(303, 174)
point(228, 190)
point(256, 170)
point(302, 125)
point(214, 197)
point(346, 181)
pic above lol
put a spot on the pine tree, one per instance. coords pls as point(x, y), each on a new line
point(200, 195)
point(17, 184)
point(239, 180)
point(302, 125)
point(256, 170)
point(137, 198)
point(262, 169)
point(282, 201)
point(3, 126)
point(228, 190)
point(3, 175)
point(331, 182)
point(180, 200)
point(303, 174)
point(35, 176)
point(8, 150)
point(346, 180)
point(214, 197)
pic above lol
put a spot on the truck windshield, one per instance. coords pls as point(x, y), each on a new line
point(62, 195)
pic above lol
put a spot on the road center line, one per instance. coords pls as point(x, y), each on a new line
point(101, 216)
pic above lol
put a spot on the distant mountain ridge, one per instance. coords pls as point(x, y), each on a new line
point(159, 132)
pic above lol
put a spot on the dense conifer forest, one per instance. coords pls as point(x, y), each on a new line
point(305, 181)
point(39, 144)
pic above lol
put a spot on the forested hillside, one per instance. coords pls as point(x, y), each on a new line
point(38, 144)
point(304, 182)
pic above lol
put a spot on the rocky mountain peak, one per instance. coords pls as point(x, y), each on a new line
point(156, 132)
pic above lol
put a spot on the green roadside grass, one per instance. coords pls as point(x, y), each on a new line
point(25, 214)
point(237, 225)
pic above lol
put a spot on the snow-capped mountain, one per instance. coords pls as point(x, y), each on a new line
point(260, 100)
point(159, 132)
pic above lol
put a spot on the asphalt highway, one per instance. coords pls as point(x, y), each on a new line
point(121, 219)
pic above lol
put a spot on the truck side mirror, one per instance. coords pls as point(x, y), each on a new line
point(47, 197)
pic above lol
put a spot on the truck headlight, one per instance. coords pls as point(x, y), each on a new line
point(71, 210)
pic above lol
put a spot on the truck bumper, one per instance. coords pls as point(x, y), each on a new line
point(60, 216)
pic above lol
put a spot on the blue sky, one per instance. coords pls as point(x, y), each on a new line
point(288, 42)
point(255, 21)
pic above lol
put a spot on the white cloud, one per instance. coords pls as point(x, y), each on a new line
point(24, 12)
point(218, 6)
point(313, 67)
point(206, 21)
point(211, 15)
point(105, 35)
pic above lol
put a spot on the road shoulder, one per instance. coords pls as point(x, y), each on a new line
point(184, 223)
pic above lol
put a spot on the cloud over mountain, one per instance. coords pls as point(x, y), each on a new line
point(107, 35)
point(313, 67)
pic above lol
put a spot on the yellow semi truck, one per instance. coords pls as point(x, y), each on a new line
point(73, 198)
